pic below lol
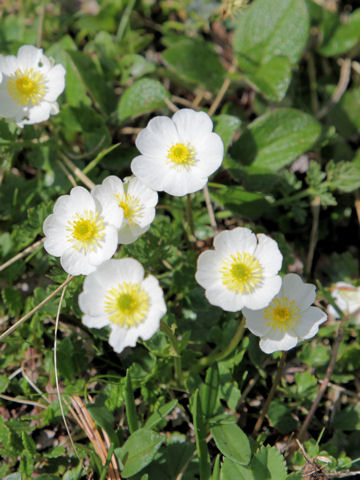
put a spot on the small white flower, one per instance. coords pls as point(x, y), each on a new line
point(288, 318)
point(29, 86)
point(178, 153)
point(117, 295)
point(241, 271)
point(347, 298)
point(81, 231)
point(135, 199)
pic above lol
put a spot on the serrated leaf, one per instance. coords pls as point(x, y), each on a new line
point(145, 95)
point(232, 443)
point(268, 464)
point(138, 451)
point(196, 61)
point(343, 176)
point(344, 38)
point(269, 29)
point(275, 139)
point(13, 300)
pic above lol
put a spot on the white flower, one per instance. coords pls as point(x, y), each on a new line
point(288, 318)
point(178, 154)
point(241, 271)
point(117, 295)
point(347, 298)
point(135, 199)
point(29, 86)
point(81, 231)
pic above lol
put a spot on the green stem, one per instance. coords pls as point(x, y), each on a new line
point(217, 356)
point(190, 216)
point(296, 196)
point(177, 358)
point(276, 382)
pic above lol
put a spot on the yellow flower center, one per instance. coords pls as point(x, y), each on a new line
point(241, 273)
point(127, 304)
point(181, 155)
point(86, 230)
point(282, 314)
point(131, 206)
point(27, 86)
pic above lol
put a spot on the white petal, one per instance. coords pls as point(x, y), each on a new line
point(262, 296)
point(76, 263)
point(208, 269)
point(8, 107)
point(157, 137)
point(309, 322)
point(111, 213)
point(107, 247)
point(95, 322)
point(91, 301)
point(55, 83)
point(151, 171)
point(232, 241)
point(128, 234)
point(192, 126)
point(295, 289)
point(129, 270)
point(137, 188)
point(121, 338)
point(276, 341)
point(256, 322)
point(55, 232)
point(8, 64)
point(103, 279)
point(37, 114)
point(79, 200)
point(210, 156)
point(152, 287)
point(269, 255)
point(225, 299)
point(29, 56)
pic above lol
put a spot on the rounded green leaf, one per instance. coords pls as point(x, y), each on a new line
point(232, 471)
point(275, 139)
point(344, 38)
point(143, 96)
point(232, 443)
point(268, 29)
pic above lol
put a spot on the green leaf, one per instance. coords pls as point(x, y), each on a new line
point(29, 444)
point(231, 471)
point(130, 405)
point(232, 443)
point(238, 200)
point(200, 436)
point(268, 464)
point(280, 417)
point(216, 470)
point(103, 417)
point(161, 414)
point(226, 126)
point(269, 29)
point(343, 176)
point(93, 80)
point(272, 78)
point(344, 38)
point(345, 114)
point(196, 62)
point(143, 96)
point(4, 382)
point(138, 451)
point(13, 300)
point(209, 391)
point(347, 419)
point(275, 139)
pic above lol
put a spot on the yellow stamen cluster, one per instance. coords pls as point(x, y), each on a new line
point(181, 155)
point(241, 273)
point(86, 230)
point(131, 206)
point(282, 314)
point(127, 304)
point(27, 86)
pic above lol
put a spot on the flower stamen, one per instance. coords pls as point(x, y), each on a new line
point(241, 273)
point(86, 231)
point(131, 206)
point(127, 304)
point(181, 156)
point(282, 314)
point(27, 86)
